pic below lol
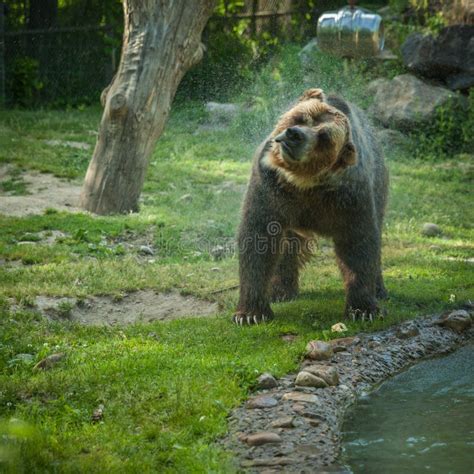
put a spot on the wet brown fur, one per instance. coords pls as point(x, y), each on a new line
point(338, 190)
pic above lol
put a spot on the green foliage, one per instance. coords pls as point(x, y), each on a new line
point(24, 82)
point(225, 68)
point(450, 132)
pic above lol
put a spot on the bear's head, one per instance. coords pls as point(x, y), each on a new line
point(311, 141)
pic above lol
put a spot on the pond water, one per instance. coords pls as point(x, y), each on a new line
point(421, 420)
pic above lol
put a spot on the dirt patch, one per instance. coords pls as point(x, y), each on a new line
point(46, 192)
point(138, 307)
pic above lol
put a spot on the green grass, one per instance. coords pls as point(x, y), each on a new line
point(168, 387)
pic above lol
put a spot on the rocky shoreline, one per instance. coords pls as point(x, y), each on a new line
point(293, 425)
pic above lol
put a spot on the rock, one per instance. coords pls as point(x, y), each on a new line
point(389, 138)
point(430, 230)
point(277, 461)
point(341, 344)
point(49, 362)
point(448, 57)
point(23, 358)
point(327, 373)
point(266, 381)
point(309, 449)
point(222, 113)
point(309, 54)
point(319, 350)
point(458, 320)
point(264, 437)
point(460, 82)
point(289, 337)
point(146, 250)
point(185, 198)
point(339, 327)
point(218, 252)
point(407, 330)
point(262, 401)
point(300, 397)
point(283, 422)
point(307, 379)
point(98, 414)
point(69, 144)
point(405, 101)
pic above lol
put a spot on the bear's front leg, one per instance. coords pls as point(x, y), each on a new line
point(259, 251)
point(358, 261)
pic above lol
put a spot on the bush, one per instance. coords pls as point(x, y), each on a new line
point(25, 84)
point(450, 132)
point(224, 69)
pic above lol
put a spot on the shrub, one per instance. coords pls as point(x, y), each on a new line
point(25, 83)
point(450, 132)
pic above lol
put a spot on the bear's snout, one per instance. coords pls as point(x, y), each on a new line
point(292, 142)
point(293, 135)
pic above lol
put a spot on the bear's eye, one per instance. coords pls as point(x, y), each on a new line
point(299, 119)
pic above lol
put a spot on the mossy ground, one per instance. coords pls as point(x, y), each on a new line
point(167, 387)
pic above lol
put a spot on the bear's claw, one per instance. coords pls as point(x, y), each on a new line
point(242, 319)
point(359, 315)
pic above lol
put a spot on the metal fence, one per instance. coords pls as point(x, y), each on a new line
point(78, 62)
point(53, 64)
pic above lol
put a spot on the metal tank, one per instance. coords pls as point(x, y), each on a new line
point(351, 32)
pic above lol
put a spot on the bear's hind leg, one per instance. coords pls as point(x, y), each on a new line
point(357, 259)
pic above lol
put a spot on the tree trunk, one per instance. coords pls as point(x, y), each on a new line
point(161, 42)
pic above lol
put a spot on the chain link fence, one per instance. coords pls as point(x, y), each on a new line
point(72, 65)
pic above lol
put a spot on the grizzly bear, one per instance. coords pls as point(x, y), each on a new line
point(322, 172)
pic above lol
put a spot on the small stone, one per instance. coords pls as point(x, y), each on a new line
point(319, 350)
point(262, 401)
point(24, 358)
point(277, 461)
point(289, 337)
point(306, 379)
point(264, 437)
point(283, 422)
point(328, 374)
point(300, 397)
point(98, 414)
point(341, 344)
point(308, 449)
point(218, 252)
point(49, 362)
point(339, 327)
point(430, 230)
point(407, 331)
point(146, 250)
point(314, 422)
point(266, 381)
point(306, 412)
point(458, 320)
point(185, 198)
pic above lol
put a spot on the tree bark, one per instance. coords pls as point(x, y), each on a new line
point(161, 42)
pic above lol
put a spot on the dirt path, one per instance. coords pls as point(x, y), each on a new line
point(137, 307)
point(46, 192)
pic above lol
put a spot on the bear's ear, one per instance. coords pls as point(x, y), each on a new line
point(313, 94)
point(347, 157)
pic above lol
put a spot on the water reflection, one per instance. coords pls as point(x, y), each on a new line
point(419, 421)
